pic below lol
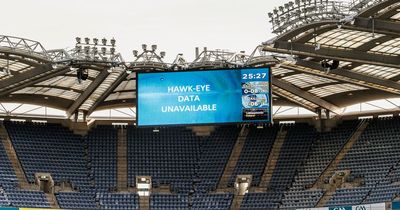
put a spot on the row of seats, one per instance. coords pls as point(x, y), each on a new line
point(193, 165)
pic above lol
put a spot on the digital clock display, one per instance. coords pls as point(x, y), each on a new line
point(254, 76)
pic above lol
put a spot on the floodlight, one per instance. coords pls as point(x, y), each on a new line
point(270, 15)
point(112, 50)
point(87, 40)
point(286, 6)
point(154, 47)
point(162, 54)
point(104, 41)
point(86, 49)
point(128, 71)
point(275, 11)
point(95, 41)
point(112, 41)
point(280, 8)
point(135, 53)
point(78, 40)
point(94, 49)
point(297, 2)
point(144, 47)
point(78, 48)
point(103, 50)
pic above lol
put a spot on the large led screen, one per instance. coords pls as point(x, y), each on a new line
point(204, 97)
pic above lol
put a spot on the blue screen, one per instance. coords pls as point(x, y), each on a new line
point(204, 97)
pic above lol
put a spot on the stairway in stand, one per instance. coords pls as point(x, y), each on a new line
point(273, 159)
point(144, 203)
point(122, 165)
point(51, 198)
point(332, 167)
point(233, 159)
point(12, 155)
point(237, 201)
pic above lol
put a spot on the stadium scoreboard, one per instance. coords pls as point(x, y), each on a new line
point(204, 97)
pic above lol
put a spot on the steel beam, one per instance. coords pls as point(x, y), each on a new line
point(291, 34)
point(19, 77)
point(333, 53)
point(377, 24)
point(108, 92)
point(382, 84)
point(85, 95)
point(31, 77)
point(306, 95)
point(376, 8)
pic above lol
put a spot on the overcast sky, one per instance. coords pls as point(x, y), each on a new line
point(176, 26)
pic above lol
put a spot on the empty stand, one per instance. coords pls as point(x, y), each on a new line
point(52, 200)
point(213, 157)
point(322, 152)
point(212, 201)
point(119, 201)
point(331, 168)
point(373, 158)
point(193, 166)
point(272, 159)
point(261, 201)
point(169, 202)
point(76, 200)
point(8, 178)
point(233, 158)
point(27, 198)
point(169, 156)
point(254, 155)
point(42, 148)
point(122, 172)
point(101, 143)
point(11, 154)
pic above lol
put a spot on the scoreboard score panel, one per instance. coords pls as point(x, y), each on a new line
point(204, 97)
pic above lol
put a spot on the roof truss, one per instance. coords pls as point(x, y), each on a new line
point(85, 95)
point(333, 53)
point(305, 95)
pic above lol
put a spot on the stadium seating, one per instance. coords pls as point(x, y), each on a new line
point(76, 200)
point(213, 156)
point(169, 202)
point(8, 179)
point(373, 157)
point(102, 145)
point(212, 201)
point(254, 155)
point(118, 201)
point(177, 157)
point(293, 153)
point(322, 152)
point(42, 148)
point(169, 156)
point(26, 198)
point(4, 199)
point(193, 165)
point(261, 201)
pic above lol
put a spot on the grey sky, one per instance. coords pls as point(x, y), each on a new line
point(176, 26)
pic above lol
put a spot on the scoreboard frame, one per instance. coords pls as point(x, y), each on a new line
point(270, 118)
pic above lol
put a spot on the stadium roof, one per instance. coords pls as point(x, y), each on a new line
point(327, 55)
